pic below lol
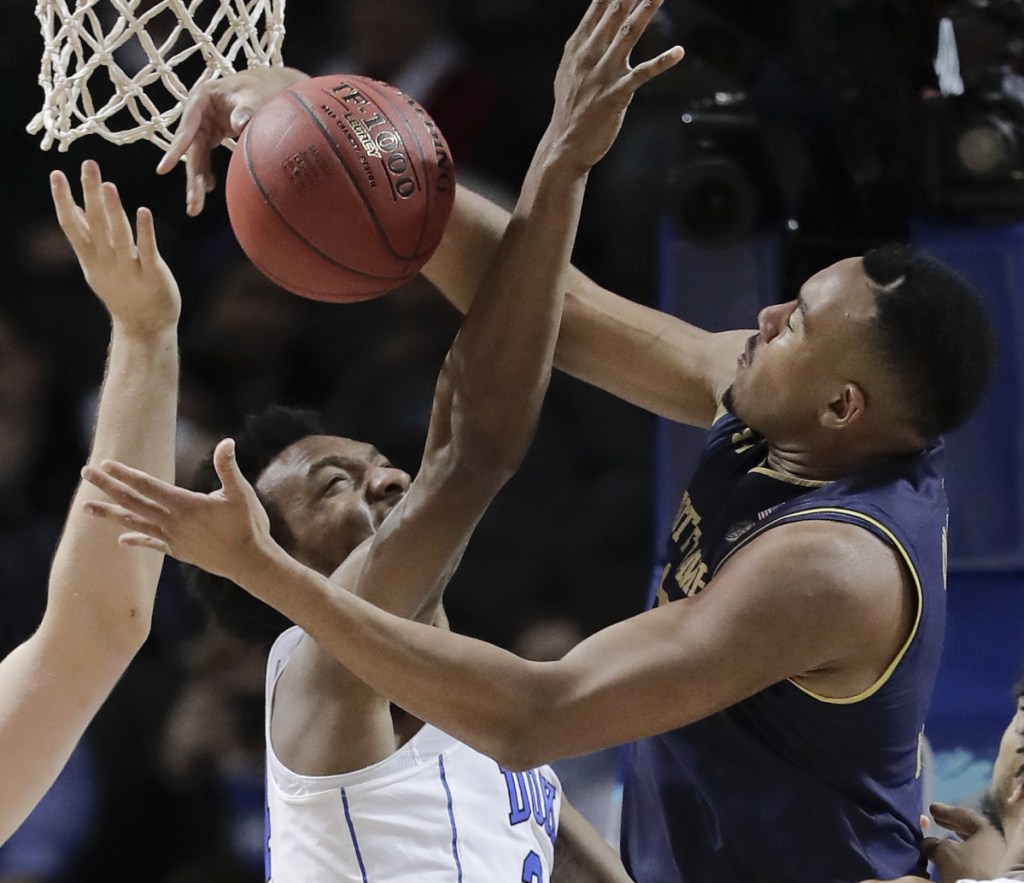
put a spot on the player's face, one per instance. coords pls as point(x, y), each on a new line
point(332, 493)
point(803, 352)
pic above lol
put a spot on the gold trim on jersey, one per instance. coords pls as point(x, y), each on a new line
point(884, 677)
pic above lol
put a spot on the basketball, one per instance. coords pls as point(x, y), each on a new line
point(340, 188)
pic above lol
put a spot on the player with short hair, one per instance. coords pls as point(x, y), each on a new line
point(355, 788)
point(785, 673)
point(100, 597)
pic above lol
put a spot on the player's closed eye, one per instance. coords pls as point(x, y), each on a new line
point(336, 480)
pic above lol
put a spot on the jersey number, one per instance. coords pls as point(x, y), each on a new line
point(533, 870)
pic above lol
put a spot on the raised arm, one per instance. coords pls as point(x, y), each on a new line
point(749, 628)
point(492, 385)
point(639, 354)
point(100, 595)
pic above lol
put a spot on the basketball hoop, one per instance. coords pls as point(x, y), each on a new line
point(122, 69)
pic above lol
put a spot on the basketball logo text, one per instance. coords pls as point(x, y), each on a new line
point(530, 795)
point(304, 168)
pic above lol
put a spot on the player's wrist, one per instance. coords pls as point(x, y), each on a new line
point(150, 335)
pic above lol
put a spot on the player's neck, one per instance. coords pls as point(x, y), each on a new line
point(813, 465)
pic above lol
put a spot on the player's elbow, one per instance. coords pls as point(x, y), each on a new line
point(530, 734)
point(120, 634)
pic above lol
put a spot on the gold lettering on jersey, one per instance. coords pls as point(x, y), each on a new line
point(662, 596)
point(690, 575)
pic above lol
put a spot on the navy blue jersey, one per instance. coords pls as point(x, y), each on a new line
point(788, 786)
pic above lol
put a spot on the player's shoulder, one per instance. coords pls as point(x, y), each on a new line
point(835, 557)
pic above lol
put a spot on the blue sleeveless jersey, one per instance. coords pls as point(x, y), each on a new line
point(787, 786)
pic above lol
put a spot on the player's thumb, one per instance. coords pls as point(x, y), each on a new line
point(240, 117)
point(930, 845)
point(226, 466)
point(959, 819)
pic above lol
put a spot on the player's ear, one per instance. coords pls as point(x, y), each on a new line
point(1017, 793)
point(845, 407)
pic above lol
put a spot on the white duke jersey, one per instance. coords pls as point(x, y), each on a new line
point(435, 810)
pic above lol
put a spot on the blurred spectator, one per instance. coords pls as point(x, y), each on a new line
point(212, 756)
point(386, 392)
point(245, 347)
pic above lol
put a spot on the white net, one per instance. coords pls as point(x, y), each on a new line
point(123, 68)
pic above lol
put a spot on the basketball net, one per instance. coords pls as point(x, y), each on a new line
point(122, 69)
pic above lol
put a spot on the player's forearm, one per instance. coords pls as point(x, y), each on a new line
point(466, 253)
point(639, 354)
point(93, 580)
point(500, 364)
point(517, 711)
point(582, 855)
point(472, 690)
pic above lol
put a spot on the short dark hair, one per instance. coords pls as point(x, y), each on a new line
point(932, 329)
point(265, 436)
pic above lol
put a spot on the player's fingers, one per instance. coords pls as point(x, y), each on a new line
point(115, 478)
point(591, 18)
point(224, 462)
point(123, 493)
point(197, 173)
point(240, 117)
point(188, 128)
point(648, 70)
point(121, 237)
point(69, 215)
point(614, 17)
point(958, 819)
point(145, 237)
point(144, 541)
point(632, 29)
point(126, 517)
point(94, 206)
point(932, 848)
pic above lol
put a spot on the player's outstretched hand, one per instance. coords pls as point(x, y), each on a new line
point(978, 854)
point(224, 532)
point(595, 81)
point(126, 273)
point(215, 111)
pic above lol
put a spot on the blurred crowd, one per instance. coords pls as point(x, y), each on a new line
point(168, 783)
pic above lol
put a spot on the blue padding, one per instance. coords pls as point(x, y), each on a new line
point(985, 480)
point(983, 659)
point(716, 288)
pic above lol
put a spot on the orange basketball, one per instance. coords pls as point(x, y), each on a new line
point(340, 188)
